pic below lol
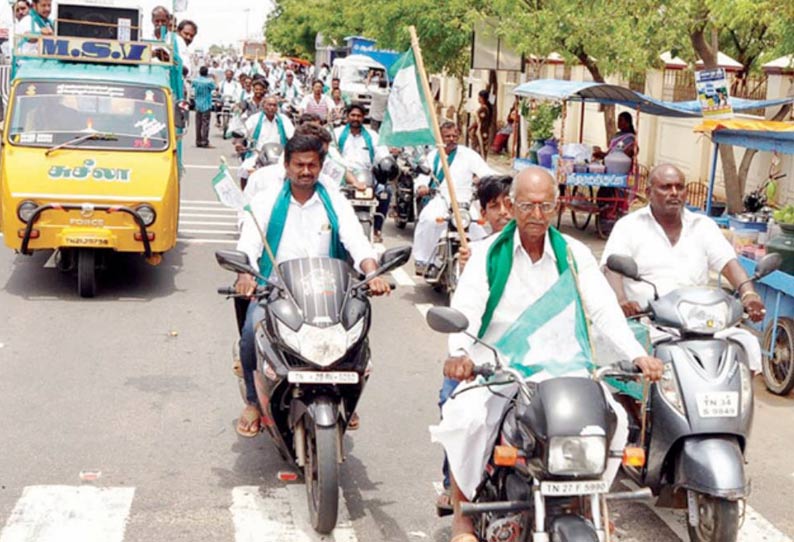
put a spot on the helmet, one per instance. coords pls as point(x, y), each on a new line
point(386, 170)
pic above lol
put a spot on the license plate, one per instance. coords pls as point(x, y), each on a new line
point(319, 377)
point(718, 404)
point(364, 194)
point(564, 489)
point(77, 241)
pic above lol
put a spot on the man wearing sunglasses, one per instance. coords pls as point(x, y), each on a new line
point(513, 277)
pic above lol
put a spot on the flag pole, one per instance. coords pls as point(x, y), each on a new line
point(442, 153)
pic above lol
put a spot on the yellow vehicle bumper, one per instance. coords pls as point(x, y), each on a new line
point(86, 236)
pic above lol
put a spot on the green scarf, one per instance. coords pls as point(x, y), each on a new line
point(367, 139)
point(282, 135)
point(38, 19)
point(438, 171)
point(500, 262)
point(278, 219)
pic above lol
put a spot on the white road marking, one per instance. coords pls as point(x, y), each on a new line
point(281, 514)
point(199, 166)
point(50, 263)
point(224, 232)
point(402, 278)
point(224, 210)
point(423, 308)
point(206, 241)
point(756, 528)
point(207, 223)
point(204, 201)
point(204, 215)
point(58, 513)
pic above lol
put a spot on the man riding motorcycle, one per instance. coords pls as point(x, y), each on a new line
point(464, 165)
point(230, 91)
point(506, 277)
point(673, 248)
point(359, 148)
point(300, 219)
point(266, 126)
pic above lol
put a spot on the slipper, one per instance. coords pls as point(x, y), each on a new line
point(465, 537)
point(444, 504)
point(354, 423)
point(248, 423)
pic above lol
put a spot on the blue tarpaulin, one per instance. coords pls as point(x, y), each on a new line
point(588, 91)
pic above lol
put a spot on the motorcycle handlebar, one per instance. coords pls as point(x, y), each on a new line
point(486, 371)
point(230, 291)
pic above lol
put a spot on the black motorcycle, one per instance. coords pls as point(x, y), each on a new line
point(313, 356)
point(545, 480)
point(407, 204)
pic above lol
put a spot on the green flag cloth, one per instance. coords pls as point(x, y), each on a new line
point(227, 190)
point(407, 119)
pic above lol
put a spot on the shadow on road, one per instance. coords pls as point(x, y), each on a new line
point(121, 276)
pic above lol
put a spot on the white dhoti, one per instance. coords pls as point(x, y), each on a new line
point(470, 426)
point(429, 230)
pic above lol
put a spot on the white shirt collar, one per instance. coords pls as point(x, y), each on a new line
point(547, 248)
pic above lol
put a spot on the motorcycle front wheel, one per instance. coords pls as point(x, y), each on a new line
point(718, 520)
point(321, 472)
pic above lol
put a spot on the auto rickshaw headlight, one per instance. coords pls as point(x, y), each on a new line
point(26, 209)
point(147, 214)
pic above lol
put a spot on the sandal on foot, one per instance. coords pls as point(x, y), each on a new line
point(248, 423)
point(354, 423)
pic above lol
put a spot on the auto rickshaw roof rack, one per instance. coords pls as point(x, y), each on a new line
point(102, 51)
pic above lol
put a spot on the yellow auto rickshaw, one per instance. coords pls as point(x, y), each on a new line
point(90, 160)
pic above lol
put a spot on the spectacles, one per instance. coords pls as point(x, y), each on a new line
point(527, 207)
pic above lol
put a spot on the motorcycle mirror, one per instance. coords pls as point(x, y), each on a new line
point(236, 261)
point(447, 320)
point(768, 264)
point(394, 257)
point(623, 265)
point(424, 170)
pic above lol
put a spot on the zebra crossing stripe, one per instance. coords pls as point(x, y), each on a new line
point(58, 513)
point(281, 514)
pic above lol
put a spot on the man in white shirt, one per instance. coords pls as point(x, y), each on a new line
point(35, 22)
point(230, 91)
point(290, 89)
point(536, 258)
point(317, 221)
point(673, 248)
point(186, 33)
point(464, 165)
point(266, 126)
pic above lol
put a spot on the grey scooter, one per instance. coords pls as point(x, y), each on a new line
point(699, 416)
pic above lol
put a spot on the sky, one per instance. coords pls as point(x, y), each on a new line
point(219, 21)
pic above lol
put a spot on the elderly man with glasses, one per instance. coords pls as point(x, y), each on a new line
point(508, 276)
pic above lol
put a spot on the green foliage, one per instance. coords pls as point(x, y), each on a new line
point(541, 120)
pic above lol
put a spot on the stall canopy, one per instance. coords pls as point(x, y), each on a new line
point(761, 135)
point(584, 91)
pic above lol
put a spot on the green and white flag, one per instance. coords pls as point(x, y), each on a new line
point(227, 191)
point(407, 120)
point(551, 335)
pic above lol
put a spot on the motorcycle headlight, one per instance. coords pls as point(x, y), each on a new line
point(354, 333)
point(747, 387)
point(465, 220)
point(320, 346)
point(668, 385)
point(577, 456)
point(703, 318)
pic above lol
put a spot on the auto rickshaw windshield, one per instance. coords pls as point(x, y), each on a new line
point(45, 114)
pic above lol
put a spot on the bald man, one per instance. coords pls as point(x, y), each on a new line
point(539, 261)
point(673, 247)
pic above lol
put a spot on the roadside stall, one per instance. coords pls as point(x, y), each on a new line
point(605, 187)
point(777, 289)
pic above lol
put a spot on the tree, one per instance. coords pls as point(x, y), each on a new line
point(753, 26)
point(606, 36)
